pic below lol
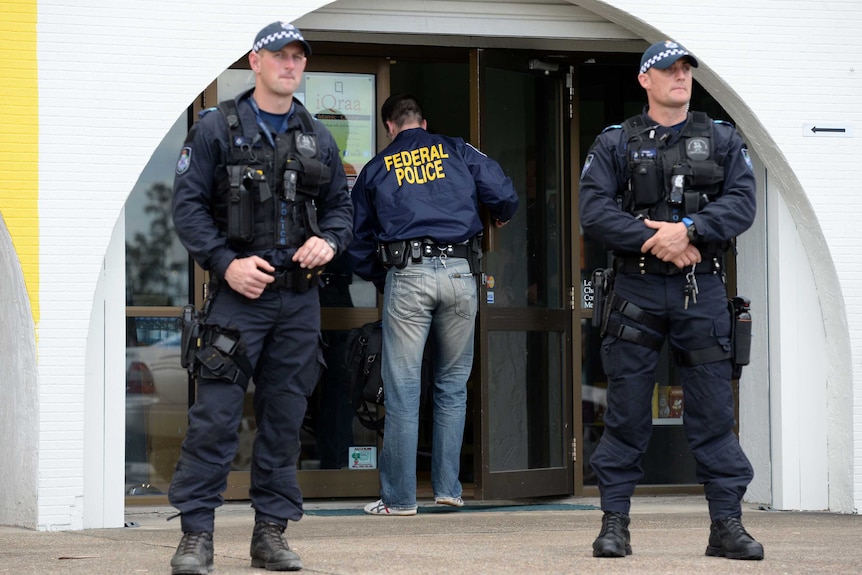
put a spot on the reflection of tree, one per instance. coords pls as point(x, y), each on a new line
point(150, 267)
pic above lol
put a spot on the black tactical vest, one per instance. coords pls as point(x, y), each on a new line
point(667, 183)
point(266, 198)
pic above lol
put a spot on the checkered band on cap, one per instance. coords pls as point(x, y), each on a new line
point(661, 56)
point(278, 35)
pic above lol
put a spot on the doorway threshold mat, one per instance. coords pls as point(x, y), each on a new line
point(465, 509)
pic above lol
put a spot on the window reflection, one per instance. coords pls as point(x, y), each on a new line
point(157, 264)
point(157, 391)
point(158, 274)
point(525, 410)
point(525, 263)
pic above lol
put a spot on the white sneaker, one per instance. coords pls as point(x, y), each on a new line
point(453, 501)
point(380, 508)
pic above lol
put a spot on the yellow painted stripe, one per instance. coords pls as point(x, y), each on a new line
point(19, 137)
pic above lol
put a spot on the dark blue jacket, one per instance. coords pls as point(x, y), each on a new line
point(203, 159)
point(424, 185)
point(605, 175)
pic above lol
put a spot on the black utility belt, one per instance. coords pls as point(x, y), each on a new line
point(433, 249)
point(399, 254)
point(298, 279)
point(652, 265)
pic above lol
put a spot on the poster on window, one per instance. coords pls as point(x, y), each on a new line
point(345, 103)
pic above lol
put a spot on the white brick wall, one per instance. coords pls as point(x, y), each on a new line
point(113, 78)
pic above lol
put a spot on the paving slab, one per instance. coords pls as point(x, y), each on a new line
point(669, 535)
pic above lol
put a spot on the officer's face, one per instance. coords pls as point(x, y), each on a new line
point(279, 72)
point(670, 87)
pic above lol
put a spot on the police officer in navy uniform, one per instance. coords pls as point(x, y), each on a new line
point(261, 202)
point(418, 238)
point(667, 192)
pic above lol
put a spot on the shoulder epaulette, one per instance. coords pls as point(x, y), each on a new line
point(724, 122)
point(613, 127)
point(206, 111)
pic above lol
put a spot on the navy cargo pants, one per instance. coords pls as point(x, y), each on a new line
point(281, 334)
point(708, 419)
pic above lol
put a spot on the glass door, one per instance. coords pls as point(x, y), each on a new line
point(526, 308)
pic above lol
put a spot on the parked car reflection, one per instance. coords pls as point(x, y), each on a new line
point(157, 400)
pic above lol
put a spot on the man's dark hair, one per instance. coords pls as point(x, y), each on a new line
point(399, 108)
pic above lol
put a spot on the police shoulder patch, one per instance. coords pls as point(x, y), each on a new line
point(587, 163)
point(185, 160)
point(747, 158)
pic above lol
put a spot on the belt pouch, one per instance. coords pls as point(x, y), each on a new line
point(646, 182)
point(415, 251)
point(304, 278)
point(396, 254)
point(240, 214)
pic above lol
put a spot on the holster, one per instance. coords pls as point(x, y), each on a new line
point(223, 355)
point(191, 338)
point(474, 254)
point(603, 285)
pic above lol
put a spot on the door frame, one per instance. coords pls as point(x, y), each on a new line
point(545, 481)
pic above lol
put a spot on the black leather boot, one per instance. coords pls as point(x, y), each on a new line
point(728, 538)
point(194, 555)
point(614, 538)
point(269, 549)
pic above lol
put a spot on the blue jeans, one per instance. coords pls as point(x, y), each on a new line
point(435, 298)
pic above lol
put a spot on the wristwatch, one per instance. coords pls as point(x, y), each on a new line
point(332, 244)
point(690, 228)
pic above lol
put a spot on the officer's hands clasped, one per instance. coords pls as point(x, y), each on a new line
point(670, 244)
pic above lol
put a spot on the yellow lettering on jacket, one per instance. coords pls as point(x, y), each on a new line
point(418, 166)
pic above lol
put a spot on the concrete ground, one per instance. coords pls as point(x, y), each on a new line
point(669, 535)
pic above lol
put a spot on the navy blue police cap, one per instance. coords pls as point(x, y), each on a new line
point(277, 35)
point(663, 54)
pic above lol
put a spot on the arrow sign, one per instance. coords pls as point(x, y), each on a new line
point(826, 129)
point(815, 129)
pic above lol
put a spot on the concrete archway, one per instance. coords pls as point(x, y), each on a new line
point(793, 474)
point(19, 410)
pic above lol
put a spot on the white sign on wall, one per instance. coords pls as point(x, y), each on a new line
point(363, 457)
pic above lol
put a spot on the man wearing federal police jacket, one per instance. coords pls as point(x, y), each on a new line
point(667, 192)
point(261, 202)
point(418, 238)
